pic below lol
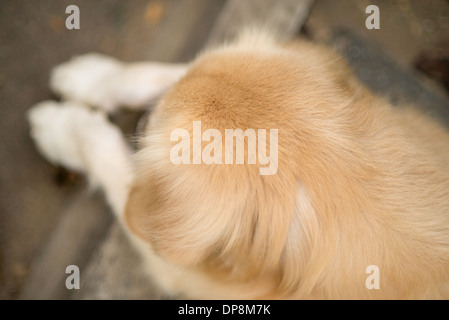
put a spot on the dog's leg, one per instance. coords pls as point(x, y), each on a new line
point(72, 135)
point(108, 84)
point(83, 140)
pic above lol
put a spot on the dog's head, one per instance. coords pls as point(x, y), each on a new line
point(190, 199)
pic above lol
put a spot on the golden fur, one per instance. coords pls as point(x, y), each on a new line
point(359, 182)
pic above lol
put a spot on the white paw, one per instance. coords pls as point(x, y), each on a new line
point(61, 131)
point(141, 82)
point(108, 84)
point(89, 79)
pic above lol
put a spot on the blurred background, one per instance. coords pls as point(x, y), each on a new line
point(48, 220)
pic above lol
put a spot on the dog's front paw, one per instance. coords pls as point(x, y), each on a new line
point(59, 129)
point(88, 79)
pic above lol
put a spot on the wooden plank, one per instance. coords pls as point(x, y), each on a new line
point(285, 17)
point(81, 227)
point(376, 69)
point(116, 272)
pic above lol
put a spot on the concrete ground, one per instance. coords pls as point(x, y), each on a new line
point(37, 199)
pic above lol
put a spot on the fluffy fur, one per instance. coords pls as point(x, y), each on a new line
point(359, 182)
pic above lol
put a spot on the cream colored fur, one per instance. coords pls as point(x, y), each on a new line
point(359, 182)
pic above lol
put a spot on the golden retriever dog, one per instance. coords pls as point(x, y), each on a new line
point(353, 202)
